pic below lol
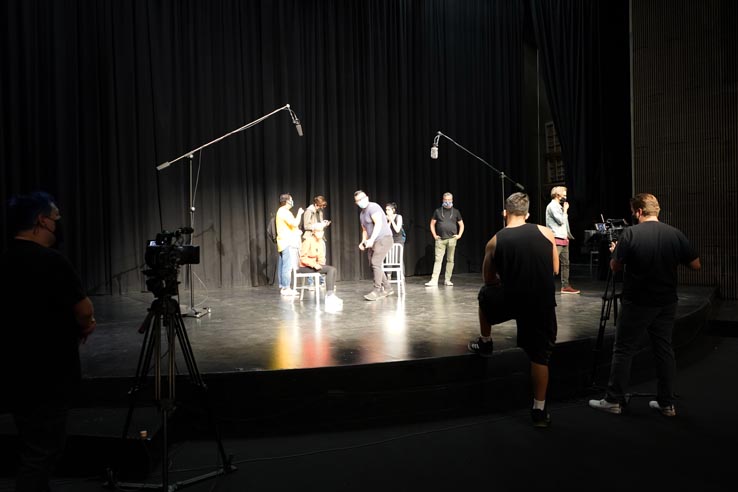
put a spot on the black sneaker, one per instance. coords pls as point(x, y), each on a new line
point(480, 347)
point(541, 418)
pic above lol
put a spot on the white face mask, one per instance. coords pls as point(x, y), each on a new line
point(364, 202)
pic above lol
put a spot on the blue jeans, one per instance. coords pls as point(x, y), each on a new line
point(635, 321)
point(288, 257)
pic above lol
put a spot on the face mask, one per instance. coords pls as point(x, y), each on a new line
point(634, 219)
point(448, 204)
point(562, 201)
point(290, 203)
point(58, 233)
point(364, 202)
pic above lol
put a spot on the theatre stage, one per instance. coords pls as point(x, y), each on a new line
point(254, 329)
point(273, 365)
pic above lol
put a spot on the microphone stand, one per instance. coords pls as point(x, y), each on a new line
point(193, 311)
point(501, 174)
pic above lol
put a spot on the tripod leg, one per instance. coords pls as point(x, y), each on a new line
point(198, 381)
point(144, 360)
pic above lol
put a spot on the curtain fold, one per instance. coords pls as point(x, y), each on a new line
point(95, 94)
point(583, 48)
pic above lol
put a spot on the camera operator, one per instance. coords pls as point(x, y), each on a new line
point(648, 253)
point(49, 316)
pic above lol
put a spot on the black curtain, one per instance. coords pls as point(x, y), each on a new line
point(584, 52)
point(94, 94)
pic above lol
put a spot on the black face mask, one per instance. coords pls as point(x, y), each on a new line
point(633, 220)
point(58, 234)
point(562, 201)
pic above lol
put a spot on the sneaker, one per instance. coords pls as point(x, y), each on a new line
point(541, 418)
point(448, 283)
point(388, 292)
point(570, 290)
point(333, 302)
point(311, 288)
point(432, 283)
point(288, 292)
point(481, 347)
point(373, 296)
point(667, 411)
point(606, 406)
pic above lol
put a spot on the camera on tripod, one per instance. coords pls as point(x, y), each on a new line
point(610, 230)
point(163, 256)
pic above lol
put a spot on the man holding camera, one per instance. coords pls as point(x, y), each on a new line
point(648, 253)
point(557, 219)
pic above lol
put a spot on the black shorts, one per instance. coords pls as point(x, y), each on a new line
point(536, 325)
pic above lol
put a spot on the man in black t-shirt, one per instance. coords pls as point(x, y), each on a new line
point(649, 253)
point(520, 262)
point(447, 227)
point(50, 316)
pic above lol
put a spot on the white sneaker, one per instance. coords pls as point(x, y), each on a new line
point(606, 406)
point(432, 283)
point(288, 293)
point(448, 283)
point(667, 411)
point(333, 302)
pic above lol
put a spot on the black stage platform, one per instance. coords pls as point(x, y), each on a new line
point(260, 352)
point(277, 365)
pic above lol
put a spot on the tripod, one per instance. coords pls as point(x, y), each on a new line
point(609, 305)
point(165, 312)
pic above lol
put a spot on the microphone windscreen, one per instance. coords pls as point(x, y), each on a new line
point(434, 152)
point(299, 129)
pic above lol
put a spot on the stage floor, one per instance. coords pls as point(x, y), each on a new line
point(255, 329)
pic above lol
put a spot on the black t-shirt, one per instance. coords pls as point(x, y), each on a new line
point(40, 336)
point(447, 222)
point(651, 252)
point(524, 261)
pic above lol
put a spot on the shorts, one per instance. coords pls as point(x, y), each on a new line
point(536, 325)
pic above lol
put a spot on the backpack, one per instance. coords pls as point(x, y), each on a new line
point(271, 228)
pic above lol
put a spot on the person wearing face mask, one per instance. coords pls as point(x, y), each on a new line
point(447, 227)
point(395, 222)
point(288, 242)
point(557, 219)
point(376, 239)
point(648, 254)
point(51, 316)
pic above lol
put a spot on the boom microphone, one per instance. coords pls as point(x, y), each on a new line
point(295, 121)
point(434, 147)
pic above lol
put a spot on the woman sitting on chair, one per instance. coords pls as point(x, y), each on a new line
point(312, 259)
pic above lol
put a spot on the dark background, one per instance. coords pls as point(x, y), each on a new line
point(95, 94)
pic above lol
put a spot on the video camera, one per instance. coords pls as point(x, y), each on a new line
point(610, 229)
point(163, 256)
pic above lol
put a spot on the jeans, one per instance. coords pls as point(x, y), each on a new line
point(289, 257)
point(330, 276)
point(376, 254)
point(447, 247)
point(634, 322)
point(41, 435)
point(563, 264)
